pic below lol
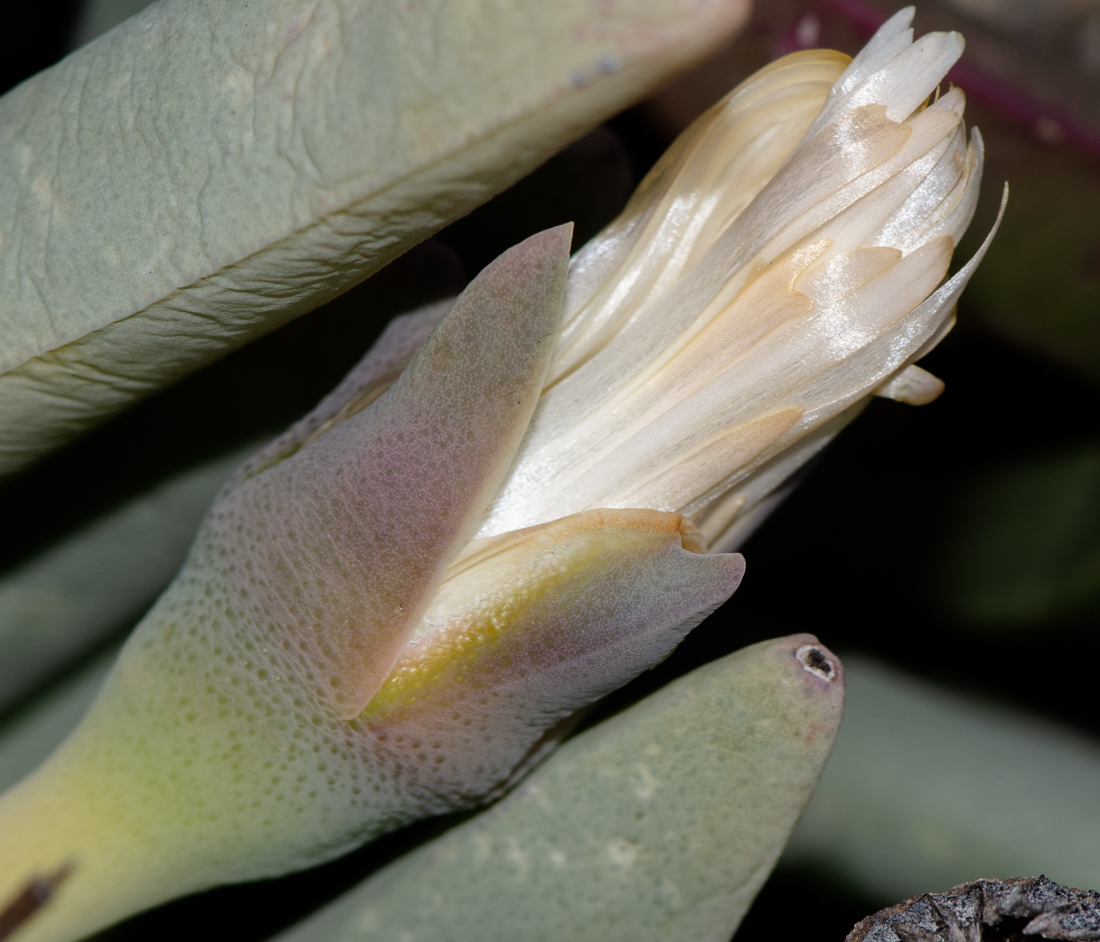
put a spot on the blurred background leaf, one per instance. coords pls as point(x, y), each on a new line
point(927, 788)
point(1022, 543)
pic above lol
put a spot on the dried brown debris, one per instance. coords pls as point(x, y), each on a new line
point(29, 900)
point(988, 911)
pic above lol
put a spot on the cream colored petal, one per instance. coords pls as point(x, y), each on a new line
point(889, 40)
point(799, 366)
point(913, 386)
point(604, 454)
point(727, 516)
point(892, 66)
point(907, 340)
point(682, 481)
point(845, 273)
point(959, 218)
point(912, 76)
point(861, 199)
point(810, 299)
point(695, 191)
point(210, 170)
point(811, 175)
point(926, 210)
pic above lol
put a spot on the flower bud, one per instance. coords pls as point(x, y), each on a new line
point(781, 263)
point(398, 606)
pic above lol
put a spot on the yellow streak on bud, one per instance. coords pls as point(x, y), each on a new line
point(500, 579)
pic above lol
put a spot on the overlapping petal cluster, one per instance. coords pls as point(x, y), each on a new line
point(780, 264)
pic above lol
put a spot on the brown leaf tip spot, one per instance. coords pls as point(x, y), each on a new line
point(816, 661)
point(988, 911)
point(28, 901)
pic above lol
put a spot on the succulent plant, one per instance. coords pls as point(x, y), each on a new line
point(520, 499)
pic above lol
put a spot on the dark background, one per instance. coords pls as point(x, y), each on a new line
point(877, 551)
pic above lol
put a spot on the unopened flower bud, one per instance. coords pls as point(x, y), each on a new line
point(397, 607)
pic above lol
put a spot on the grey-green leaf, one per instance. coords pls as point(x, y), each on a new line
point(208, 170)
point(660, 823)
point(31, 734)
point(98, 16)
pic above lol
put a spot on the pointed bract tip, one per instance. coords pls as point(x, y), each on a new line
point(545, 254)
point(557, 238)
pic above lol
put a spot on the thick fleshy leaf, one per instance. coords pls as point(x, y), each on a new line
point(98, 16)
point(532, 625)
point(199, 762)
point(198, 766)
point(929, 788)
point(351, 536)
point(208, 171)
point(74, 594)
point(661, 823)
point(373, 375)
point(94, 581)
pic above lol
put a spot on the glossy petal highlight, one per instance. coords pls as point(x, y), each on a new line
point(780, 304)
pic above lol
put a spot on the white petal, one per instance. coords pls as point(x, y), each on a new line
point(913, 386)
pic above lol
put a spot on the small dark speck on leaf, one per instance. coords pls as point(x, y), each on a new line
point(813, 659)
point(28, 901)
point(988, 911)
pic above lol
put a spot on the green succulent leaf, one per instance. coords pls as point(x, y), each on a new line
point(207, 171)
point(660, 823)
point(34, 731)
point(334, 570)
